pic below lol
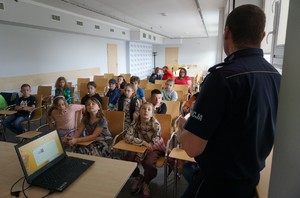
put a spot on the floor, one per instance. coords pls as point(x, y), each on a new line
point(156, 186)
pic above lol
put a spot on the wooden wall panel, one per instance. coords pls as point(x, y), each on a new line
point(15, 82)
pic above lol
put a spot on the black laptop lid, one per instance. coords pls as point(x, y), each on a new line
point(39, 154)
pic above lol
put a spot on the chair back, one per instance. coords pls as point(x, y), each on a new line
point(161, 82)
point(97, 77)
point(115, 121)
point(153, 86)
point(181, 96)
point(183, 88)
point(37, 112)
point(142, 84)
point(82, 80)
point(69, 84)
point(193, 80)
point(108, 75)
point(83, 90)
point(79, 82)
point(165, 121)
point(78, 118)
point(147, 94)
point(104, 102)
point(173, 108)
point(126, 77)
point(45, 92)
point(101, 82)
point(102, 90)
point(116, 78)
point(73, 95)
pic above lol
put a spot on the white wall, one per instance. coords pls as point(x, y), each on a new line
point(285, 175)
point(201, 51)
point(140, 58)
point(25, 50)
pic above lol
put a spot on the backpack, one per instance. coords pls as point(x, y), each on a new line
point(10, 97)
point(131, 107)
point(3, 103)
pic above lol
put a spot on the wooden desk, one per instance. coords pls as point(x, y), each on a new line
point(28, 134)
point(7, 112)
point(85, 143)
point(105, 178)
point(179, 154)
point(122, 145)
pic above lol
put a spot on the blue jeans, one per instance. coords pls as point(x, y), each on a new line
point(14, 123)
point(188, 172)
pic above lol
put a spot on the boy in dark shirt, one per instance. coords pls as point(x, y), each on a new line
point(113, 94)
point(24, 105)
point(156, 100)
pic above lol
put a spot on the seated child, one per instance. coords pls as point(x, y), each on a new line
point(139, 92)
point(156, 100)
point(168, 92)
point(64, 116)
point(145, 131)
point(129, 104)
point(121, 82)
point(24, 105)
point(167, 73)
point(96, 127)
point(62, 89)
point(188, 104)
point(113, 94)
point(155, 76)
point(91, 93)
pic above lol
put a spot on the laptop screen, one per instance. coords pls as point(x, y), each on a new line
point(39, 154)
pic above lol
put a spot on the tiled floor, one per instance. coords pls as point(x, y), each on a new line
point(156, 185)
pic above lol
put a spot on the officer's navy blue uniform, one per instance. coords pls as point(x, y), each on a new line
point(236, 113)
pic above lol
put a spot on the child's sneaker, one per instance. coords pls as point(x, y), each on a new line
point(146, 191)
point(137, 185)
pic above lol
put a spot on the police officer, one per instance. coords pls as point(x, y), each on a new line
point(230, 131)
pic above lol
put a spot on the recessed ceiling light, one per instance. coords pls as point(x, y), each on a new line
point(164, 14)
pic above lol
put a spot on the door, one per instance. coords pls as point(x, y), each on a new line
point(112, 58)
point(171, 56)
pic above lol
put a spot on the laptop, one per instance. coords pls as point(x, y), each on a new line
point(46, 164)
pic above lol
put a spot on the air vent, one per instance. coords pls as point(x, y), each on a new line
point(123, 33)
point(1, 6)
point(79, 23)
point(97, 27)
point(112, 30)
point(144, 35)
point(55, 17)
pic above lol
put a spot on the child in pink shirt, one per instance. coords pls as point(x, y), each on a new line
point(63, 116)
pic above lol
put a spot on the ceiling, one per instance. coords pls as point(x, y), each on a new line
point(168, 18)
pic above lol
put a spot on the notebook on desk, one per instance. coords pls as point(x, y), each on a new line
point(46, 164)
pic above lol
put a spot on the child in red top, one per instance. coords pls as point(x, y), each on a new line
point(167, 73)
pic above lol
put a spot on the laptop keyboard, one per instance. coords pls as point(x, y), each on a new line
point(59, 177)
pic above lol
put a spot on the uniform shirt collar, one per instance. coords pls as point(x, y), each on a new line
point(244, 52)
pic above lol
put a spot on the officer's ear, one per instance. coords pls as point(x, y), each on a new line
point(227, 33)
